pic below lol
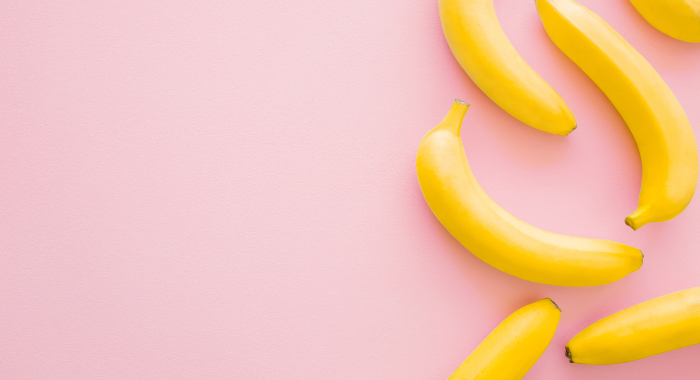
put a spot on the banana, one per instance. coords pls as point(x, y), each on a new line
point(484, 52)
point(497, 237)
point(649, 328)
point(657, 121)
point(679, 19)
point(514, 345)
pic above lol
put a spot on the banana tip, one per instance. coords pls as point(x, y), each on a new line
point(555, 304)
point(568, 354)
point(462, 102)
point(568, 133)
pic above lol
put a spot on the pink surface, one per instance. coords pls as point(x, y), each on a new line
point(227, 191)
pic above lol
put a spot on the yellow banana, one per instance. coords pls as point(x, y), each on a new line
point(498, 238)
point(484, 52)
point(649, 328)
point(679, 19)
point(652, 113)
point(514, 345)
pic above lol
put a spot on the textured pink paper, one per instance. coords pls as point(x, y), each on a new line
point(227, 190)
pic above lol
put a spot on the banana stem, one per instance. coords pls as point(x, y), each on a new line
point(454, 117)
point(636, 219)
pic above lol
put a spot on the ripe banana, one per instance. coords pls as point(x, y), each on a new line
point(484, 52)
point(677, 18)
point(499, 238)
point(514, 345)
point(649, 328)
point(652, 113)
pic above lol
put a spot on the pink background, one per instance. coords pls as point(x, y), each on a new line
point(227, 191)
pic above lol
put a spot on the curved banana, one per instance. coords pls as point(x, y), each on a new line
point(649, 328)
point(679, 19)
point(484, 52)
point(514, 345)
point(498, 238)
point(652, 113)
